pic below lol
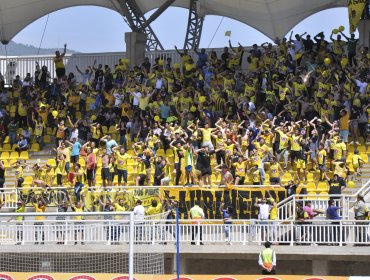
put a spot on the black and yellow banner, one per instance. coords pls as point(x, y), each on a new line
point(355, 10)
point(241, 199)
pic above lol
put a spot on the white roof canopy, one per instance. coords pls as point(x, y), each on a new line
point(274, 18)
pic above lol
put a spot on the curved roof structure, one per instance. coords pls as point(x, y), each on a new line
point(274, 18)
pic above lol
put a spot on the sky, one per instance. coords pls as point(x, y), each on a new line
point(94, 29)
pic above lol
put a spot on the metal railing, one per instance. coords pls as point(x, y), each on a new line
point(115, 228)
point(286, 207)
point(21, 65)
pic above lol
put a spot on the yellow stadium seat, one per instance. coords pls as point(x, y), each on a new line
point(351, 148)
point(4, 155)
point(6, 147)
point(11, 162)
point(35, 147)
point(310, 177)
point(14, 155)
point(5, 163)
point(24, 155)
point(322, 187)
point(105, 129)
point(364, 157)
point(286, 177)
point(99, 164)
point(50, 131)
point(311, 187)
point(323, 196)
point(311, 196)
point(47, 139)
point(267, 178)
point(6, 140)
point(51, 162)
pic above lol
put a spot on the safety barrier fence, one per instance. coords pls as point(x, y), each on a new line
point(114, 228)
point(286, 208)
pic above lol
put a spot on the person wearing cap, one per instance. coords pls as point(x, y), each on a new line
point(196, 214)
point(267, 260)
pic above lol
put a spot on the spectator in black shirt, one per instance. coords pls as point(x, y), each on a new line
point(204, 159)
point(308, 44)
point(83, 131)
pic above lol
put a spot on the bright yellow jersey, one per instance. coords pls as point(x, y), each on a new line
point(49, 177)
point(18, 172)
point(321, 156)
point(67, 153)
point(79, 210)
point(154, 210)
point(61, 167)
point(339, 149)
point(240, 168)
point(122, 160)
point(256, 160)
point(40, 209)
point(356, 159)
point(284, 140)
point(256, 176)
point(294, 141)
point(275, 170)
point(206, 134)
point(220, 142)
point(58, 62)
point(22, 109)
point(39, 127)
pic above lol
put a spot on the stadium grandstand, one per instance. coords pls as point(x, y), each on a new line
point(126, 164)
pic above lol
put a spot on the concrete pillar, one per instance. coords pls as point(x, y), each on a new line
point(135, 47)
point(364, 32)
point(320, 267)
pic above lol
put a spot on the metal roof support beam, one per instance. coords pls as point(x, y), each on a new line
point(136, 20)
point(157, 13)
point(195, 25)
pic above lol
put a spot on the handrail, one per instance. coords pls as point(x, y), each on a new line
point(146, 187)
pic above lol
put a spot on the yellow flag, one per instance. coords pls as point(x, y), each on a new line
point(355, 10)
point(228, 33)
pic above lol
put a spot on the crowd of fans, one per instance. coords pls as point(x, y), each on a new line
point(205, 119)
